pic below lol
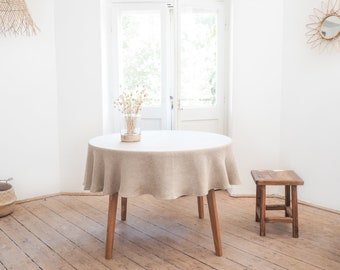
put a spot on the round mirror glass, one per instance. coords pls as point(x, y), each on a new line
point(330, 27)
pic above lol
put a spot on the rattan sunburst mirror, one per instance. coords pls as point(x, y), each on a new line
point(324, 30)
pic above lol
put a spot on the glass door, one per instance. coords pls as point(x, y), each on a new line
point(176, 51)
point(141, 53)
point(201, 61)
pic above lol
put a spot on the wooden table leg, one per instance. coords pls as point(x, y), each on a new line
point(123, 208)
point(200, 207)
point(215, 226)
point(111, 224)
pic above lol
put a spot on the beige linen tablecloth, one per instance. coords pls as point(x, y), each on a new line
point(165, 164)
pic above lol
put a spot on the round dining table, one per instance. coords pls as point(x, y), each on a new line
point(166, 164)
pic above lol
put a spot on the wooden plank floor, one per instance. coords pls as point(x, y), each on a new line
point(68, 232)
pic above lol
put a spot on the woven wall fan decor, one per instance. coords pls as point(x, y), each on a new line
point(15, 18)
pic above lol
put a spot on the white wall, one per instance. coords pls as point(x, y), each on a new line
point(256, 87)
point(78, 47)
point(285, 99)
point(310, 141)
point(51, 97)
point(29, 147)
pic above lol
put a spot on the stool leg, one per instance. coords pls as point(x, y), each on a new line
point(287, 199)
point(258, 201)
point(295, 212)
point(263, 211)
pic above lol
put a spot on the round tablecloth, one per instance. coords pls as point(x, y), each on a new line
point(165, 164)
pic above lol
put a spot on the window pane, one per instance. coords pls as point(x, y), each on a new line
point(140, 44)
point(198, 58)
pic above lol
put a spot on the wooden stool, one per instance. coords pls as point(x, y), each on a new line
point(290, 180)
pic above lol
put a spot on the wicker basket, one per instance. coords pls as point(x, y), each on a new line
point(7, 199)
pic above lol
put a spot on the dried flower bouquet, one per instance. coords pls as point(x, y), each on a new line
point(130, 104)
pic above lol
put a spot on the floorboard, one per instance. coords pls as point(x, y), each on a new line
point(68, 232)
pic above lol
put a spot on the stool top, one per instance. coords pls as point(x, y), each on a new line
point(276, 177)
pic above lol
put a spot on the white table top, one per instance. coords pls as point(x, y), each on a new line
point(163, 141)
point(166, 164)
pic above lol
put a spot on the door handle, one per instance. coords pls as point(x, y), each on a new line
point(171, 102)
